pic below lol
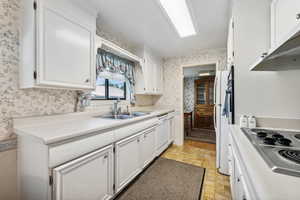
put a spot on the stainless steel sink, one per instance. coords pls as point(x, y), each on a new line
point(123, 116)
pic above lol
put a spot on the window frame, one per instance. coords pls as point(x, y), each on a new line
point(107, 92)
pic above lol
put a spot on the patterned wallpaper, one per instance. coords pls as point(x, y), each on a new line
point(189, 94)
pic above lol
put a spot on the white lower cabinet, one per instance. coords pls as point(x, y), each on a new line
point(132, 155)
point(127, 158)
point(89, 177)
point(162, 136)
point(240, 190)
point(148, 147)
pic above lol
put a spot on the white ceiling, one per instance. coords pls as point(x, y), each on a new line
point(143, 22)
point(194, 71)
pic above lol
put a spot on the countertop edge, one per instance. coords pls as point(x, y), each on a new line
point(114, 125)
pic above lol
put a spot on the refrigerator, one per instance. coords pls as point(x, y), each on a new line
point(222, 122)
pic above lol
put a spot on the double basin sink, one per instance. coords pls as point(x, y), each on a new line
point(124, 115)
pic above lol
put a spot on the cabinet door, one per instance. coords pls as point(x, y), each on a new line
point(157, 79)
point(128, 160)
point(284, 18)
point(162, 136)
point(89, 177)
point(65, 48)
point(148, 147)
point(172, 129)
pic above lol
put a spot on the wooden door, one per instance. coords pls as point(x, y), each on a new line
point(204, 103)
point(89, 177)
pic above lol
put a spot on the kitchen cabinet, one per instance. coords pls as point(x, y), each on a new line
point(132, 155)
point(172, 128)
point(285, 17)
point(57, 45)
point(128, 160)
point(240, 188)
point(149, 76)
point(230, 44)
point(163, 134)
point(89, 177)
point(96, 165)
point(148, 147)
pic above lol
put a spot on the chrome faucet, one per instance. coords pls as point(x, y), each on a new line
point(116, 110)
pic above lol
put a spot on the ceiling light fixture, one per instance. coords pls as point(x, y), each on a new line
point(210, 73)
point(179, 14)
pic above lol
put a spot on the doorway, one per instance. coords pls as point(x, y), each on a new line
point(198, 103)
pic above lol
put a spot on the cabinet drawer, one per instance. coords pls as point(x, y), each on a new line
point(127, 131)
point(62, 153)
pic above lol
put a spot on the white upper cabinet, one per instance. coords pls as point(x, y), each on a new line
point(149, 76)
point(285, 17)
point(57, 45)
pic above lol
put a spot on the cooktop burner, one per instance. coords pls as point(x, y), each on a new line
point(297, 136)
point(269, 141)
point(261, 134)
point(277, 136)
point(279, 148)
point(292, 155)
point(284, 141)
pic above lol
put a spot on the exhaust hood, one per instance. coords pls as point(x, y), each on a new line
point(282, 57)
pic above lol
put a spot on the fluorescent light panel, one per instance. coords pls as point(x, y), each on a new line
point(179, 14)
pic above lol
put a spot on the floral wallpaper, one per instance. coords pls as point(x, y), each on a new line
point(189, 94)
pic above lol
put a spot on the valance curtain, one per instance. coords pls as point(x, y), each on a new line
point(111, 66)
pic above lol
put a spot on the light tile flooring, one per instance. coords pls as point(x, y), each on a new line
point(215, 185)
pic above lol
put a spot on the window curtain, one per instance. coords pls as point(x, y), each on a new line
point(111, 66)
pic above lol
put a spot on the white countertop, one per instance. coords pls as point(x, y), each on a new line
point(55, 128)
point(268, 184)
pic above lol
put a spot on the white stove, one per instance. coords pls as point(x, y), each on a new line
point(280, 149)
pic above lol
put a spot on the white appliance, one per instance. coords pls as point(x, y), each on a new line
point(221, 122)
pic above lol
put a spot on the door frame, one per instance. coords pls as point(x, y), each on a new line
point(182, 67)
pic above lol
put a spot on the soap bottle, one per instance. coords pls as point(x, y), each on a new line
point(244, 121)
point(251, 122)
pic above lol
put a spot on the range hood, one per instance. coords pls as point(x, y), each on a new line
point(282, 57)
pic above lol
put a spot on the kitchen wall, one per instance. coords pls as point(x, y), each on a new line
point(27, 102)
point(263, 94)
point(173, 81)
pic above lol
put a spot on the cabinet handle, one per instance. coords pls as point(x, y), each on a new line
point(298, 16)
point(87, 80)
point(238, 179)
point(264, 55)
point(105, 157)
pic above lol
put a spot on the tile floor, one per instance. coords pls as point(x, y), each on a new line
point(215, 186)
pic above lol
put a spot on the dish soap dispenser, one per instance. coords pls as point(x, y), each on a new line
point(244, 121)
point(251, 122)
